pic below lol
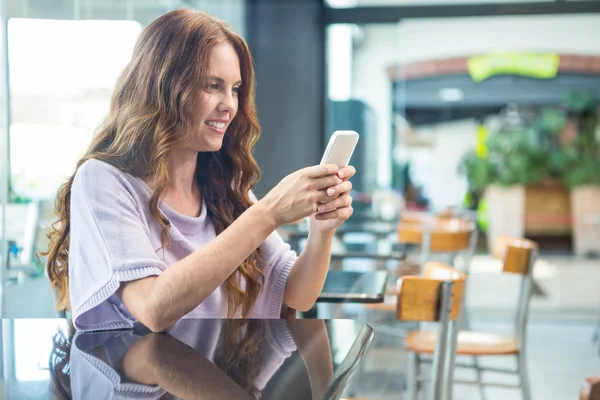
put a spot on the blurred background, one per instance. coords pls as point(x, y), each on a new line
point(484, 109)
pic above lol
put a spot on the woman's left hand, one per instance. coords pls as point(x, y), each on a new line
point(332, 214)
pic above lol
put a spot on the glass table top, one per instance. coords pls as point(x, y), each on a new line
point(245, 359)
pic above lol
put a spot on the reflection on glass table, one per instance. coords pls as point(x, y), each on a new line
point(354, 287)
point(224, 359)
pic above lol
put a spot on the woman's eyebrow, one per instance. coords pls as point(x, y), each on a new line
point(221, 80)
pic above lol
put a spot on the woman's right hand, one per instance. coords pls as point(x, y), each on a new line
point(299, 194)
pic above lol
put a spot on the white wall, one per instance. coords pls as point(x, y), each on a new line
point(435, 168)
point(426, 39)
point(376, 51)
point(231, 11)
point(367, 3)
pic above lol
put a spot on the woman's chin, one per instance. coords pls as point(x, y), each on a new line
point(216, 146)
point(209, 146)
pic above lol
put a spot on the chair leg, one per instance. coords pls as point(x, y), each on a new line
point(464, 323)
point(479, 373)
point(596, 336)
point(412, 376)
point(597, 328)
point(450, 360)
point(523, 375)
point(425, 250)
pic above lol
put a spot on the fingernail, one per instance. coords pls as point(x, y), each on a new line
point(330, 192)
point(341, 174)
point(321, 208)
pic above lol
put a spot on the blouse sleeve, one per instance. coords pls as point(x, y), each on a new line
point(109, 243)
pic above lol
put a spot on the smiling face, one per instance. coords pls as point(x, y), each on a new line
point(218, 101)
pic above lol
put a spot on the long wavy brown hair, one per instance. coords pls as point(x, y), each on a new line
point(59, 363)
point(154, 98)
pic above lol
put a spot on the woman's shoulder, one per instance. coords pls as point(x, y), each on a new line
point(98, 168)
point(96, 174)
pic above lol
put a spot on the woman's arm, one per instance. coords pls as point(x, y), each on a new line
point(159, 301)
point(309, 272)
point(159, 359)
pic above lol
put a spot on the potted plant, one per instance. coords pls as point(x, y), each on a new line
point(581, 165)
point(518, 177)
point(500, 177)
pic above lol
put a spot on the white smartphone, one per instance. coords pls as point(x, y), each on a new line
point(340, 148)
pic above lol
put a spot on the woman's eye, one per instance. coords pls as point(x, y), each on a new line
point(214, 86)
point(237, 90)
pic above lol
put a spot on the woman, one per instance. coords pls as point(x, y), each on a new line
point(159, 223)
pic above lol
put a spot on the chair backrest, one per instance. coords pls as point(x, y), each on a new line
point(420, 297)
point(518, 256)
point(437, 295)
point(445, 235)
point(515, 253)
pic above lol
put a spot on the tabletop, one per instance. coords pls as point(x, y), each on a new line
point(233, 359)
point(354, 287)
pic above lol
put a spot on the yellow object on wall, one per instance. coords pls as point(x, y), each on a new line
point(481, 148)
point(534, 65)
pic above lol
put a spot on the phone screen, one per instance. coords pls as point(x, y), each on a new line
point(340, 148)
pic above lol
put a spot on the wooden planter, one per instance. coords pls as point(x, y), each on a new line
point(585, 201)
point(506, 210)
point(548, 210)
point(539, 210)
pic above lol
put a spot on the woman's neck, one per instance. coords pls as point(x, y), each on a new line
point(182, 173)
point(183, 193)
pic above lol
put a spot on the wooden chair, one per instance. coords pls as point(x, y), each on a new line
point(519, 257)
point(439, 235)
point(590, 390)
point(436, 296)
point(442, 234)
point(434, 235)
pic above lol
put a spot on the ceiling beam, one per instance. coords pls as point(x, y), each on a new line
point(393, 14)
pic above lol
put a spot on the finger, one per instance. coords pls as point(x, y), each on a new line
point(343, 187)
point(329, 199)
point(320, 197)
point(341, 213)
point(324, 182)
point(347, 172)
point(317, 197)
point(340, 202)
point(317, 171)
